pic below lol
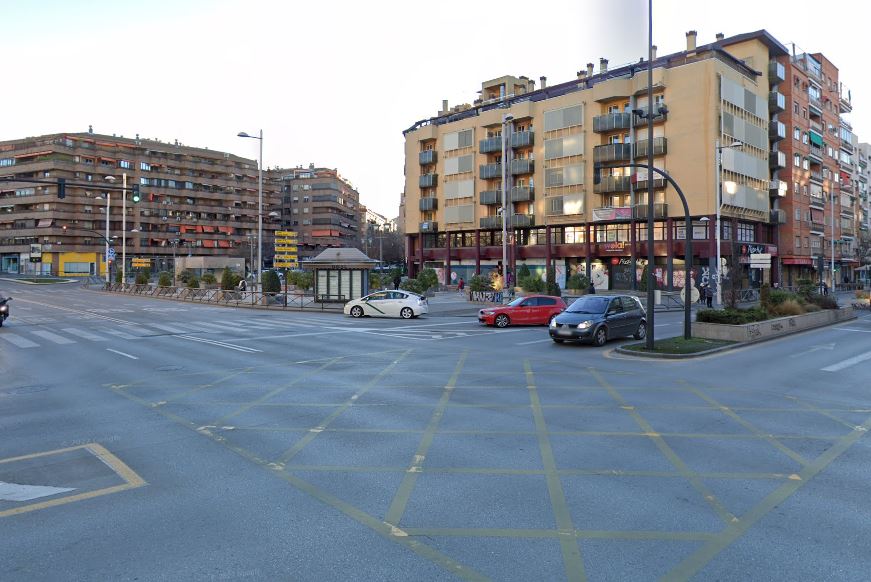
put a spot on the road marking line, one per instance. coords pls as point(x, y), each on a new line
point(18, 492)
point(84, 334)
point(122, 335)
point(122, 354)
point(52, 337)
point(848, 362)
point(853, 329)
point(168, 328)
point(219, 344)
point(539, 341)
point(19, 341)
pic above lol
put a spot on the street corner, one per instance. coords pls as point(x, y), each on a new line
point(50, 478)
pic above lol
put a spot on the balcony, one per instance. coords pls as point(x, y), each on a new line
point(615, 152)
point(817, 228)
point(844, 101)
point(491, 197)
point(776, 102)
point(491, 221)
point(777, 188)
point(612, 184)
point(776, 159)
point(776, 131)
point(660, 147)
point(777, 217)
point(428, 203)
point(429, 227)
point(522, 194)
point(524, 166)
point(489, 171)
point(816, 178)
point(815, 107)
point(776, 72)
point(817, 127)
point(816, 155)
point(490, 144)
point(612, 122)
point(847, 146)
point(522, 139)
point(515, 221)
point(522, 220)
point(660, 210)
point(428, 180)
point(848, 231)
point(641, 185)
point(427, 157)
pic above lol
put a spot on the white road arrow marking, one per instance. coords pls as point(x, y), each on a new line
point(828, 347)
point(16, 492)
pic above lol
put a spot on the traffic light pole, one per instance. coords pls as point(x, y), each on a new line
point(124, 227)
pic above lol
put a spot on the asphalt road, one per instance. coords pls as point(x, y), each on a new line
point(189, 442)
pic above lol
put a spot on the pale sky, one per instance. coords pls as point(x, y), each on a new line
point(334, 82)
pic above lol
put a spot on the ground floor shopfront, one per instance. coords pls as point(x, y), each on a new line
point(597, 251)
point(41, 261)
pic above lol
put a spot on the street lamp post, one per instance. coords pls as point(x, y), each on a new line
point(123, 223)
point(175, 242)
point(108, 205)
point(259, 202)
point(719, 202)
point(506, 123)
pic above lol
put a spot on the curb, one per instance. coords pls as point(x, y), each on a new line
point(20, 282)
point(225, 305)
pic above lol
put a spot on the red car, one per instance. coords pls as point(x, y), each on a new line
point(528, 310)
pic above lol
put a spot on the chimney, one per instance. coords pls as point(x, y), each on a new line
point(589, 69)
point(720, 36)
point(531, 86)
point(603, 66)
point(543, 80)
point(444, 105)
point(654, 53)
point(691, 40)
point(582, 74)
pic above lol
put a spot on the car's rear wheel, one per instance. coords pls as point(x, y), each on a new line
point(356, 311)
point(600, 337)
point(642, 331)
point(502, 320)
point(406, 313)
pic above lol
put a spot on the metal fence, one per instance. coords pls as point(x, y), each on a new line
point(234, 298)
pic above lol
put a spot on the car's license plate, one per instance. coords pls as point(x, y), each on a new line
point(564, 331)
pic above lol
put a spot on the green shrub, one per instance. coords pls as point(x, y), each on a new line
point(375, 280)
point(778, 296)
point(229, 279)
point(193, 283)
point(811, 307)
point(186, 276)
point(578, 281)
point(732, 316)
point(118, 275)
point(787, 308)
point(764, 293)
point(414, 286)
point(807, 288)
point(522, 272)
point(824, 301)
point(270, 282)
point(164, 279)
point(552, 287)
point(428, 278)
point(142, 278)
point(304, 280)
point(533, 284)
point(208, 279)
point(480, 283)
point(642, 284)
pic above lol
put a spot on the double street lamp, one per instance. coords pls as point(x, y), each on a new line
point(123, 223)
point(259, 202)
point(506, 124)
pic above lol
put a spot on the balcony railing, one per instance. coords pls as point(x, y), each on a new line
point(818, 227)
point(491, 197)
point(427, 157)
point(660, 147)
point(522, 139)
point(490, 144)
point(489, 171)
point(428, 180)
point(491, 221)
point(613, 152)
point(514, 221)
point(429, 203)
point(816, 153)
point(660, 210)
point(429, 227)
point(847, 146)
point(641, 185)
point(776, 102)
point(776, 131)
point(816, 177)
point(612, 122)
point(612, 184)
point(522, 220)
point(777, 216)
point(524, 166)
point(776, 159)
point(522, 194)
point(776, 72)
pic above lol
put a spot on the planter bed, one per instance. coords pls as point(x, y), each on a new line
point(770, 328)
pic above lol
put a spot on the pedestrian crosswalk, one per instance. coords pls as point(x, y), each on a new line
point(26, 335)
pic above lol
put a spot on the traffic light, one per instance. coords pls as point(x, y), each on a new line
point(61, 188)
point(136, 195)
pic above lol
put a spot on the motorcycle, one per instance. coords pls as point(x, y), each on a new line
point(4, 309)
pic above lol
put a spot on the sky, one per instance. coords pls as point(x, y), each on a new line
point(335, 82)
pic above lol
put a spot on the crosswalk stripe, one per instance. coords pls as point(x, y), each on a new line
point(210, 326)
point(169, 328)
point(53, 337)
point(84, 334)
point(17, 340)
point(121, 334)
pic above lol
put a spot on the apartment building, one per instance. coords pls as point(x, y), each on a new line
point(818, 167)
point(322, 207)
point(194, 202)
point(556, 136)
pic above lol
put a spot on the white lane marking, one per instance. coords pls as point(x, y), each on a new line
point(84, 334)
point(533, 342)
point(121, 354)
point(169, 328)
point(17, 340)
point(854, 329)
point(664, 324)
point(122, 334)
point(829, 347)
point(52, 337)
point(213, 326)
point(219, 344)
point(848, 362)
point(16, 492)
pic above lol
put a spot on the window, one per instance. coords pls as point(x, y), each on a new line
point(806, 242)
point(459, 165)
point(562, 118)
point(746, 232)
point(7, 162)
point(798, 214)
point(564, 176)
point(125, 164)
point(796, 160)
point(795, 105)
point(145, 166)
point(804, 138)
point(571, 145)
point(796, 133)
point(798, 242)
point(458, 139)
point(805, 164)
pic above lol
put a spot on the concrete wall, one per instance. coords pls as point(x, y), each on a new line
point(753, 332)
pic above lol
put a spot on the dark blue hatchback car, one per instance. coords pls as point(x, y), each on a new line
point(598, 318)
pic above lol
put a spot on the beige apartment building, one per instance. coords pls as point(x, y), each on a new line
point(722, 92)
point(194, 202)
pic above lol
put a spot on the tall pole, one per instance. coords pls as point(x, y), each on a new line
point(718, 201)
point(124, 227)
point(505, 120)
point(833, 242)
point(174, 270)
point(108, 205)
point(260, 211)
point(651, 296)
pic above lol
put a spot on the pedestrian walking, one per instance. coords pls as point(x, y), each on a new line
point(709, 296)
point(396, 281)
point(461, 285)
point(591, 290)
point(242, 285)
point(703, 293)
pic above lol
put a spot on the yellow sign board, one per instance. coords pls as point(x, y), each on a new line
point(285, 241)
point(285, 234)
point(285, 249)
point(141, 262)
point(285, 265)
